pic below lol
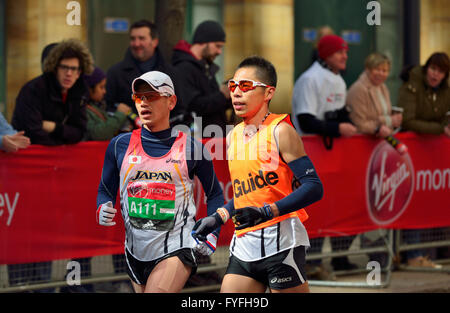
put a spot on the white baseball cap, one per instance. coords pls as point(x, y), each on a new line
point(159, 82)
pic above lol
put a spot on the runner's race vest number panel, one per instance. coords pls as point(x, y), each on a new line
point(154, 189)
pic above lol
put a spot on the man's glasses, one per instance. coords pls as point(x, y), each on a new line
point(148, 96)
point(66, 68)
point(244, 85)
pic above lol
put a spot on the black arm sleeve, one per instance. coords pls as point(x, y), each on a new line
point(310, 190)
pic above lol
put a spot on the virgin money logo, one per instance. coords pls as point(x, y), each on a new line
point(137, 189)
point(389, 184)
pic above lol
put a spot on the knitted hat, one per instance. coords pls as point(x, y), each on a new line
point(158, 81)
point(330, 44)
point(97, 76)
point(208, 31)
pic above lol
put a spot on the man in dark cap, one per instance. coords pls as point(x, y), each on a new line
point(197, 70)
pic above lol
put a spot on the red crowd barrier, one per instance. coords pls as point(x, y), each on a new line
point(48, 194)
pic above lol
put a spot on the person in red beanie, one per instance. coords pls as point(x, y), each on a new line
point(318, 102)
point(318, 107)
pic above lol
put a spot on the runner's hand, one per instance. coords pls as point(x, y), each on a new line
point(250, 216)
point(105, 214)
point(205, 226)
point(206, 247)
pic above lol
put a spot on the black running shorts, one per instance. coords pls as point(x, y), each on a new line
point(139, 271)
point(280, 271)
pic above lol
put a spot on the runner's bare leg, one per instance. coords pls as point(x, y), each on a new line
point(233, 283)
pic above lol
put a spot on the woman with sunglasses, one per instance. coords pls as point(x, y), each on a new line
point(264, 154)
point(153, 168)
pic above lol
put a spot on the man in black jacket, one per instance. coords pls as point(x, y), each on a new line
point(195, 63)
point(143, 55)
point(51, 108)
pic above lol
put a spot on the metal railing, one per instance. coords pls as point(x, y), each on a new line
point(383, 245)
point(421, 241)
point(102, 269)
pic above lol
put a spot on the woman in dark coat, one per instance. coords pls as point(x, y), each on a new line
point(425, 96)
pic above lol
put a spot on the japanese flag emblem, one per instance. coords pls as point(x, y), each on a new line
point(134, 159)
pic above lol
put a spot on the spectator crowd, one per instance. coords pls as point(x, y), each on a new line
point(74, 100)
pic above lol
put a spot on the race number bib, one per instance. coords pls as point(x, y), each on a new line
point(151, 205)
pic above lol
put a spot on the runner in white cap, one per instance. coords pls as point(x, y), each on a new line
point(153, 168)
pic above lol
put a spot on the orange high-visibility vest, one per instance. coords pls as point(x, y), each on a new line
point(258, 173)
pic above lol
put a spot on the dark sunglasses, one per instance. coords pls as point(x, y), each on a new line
point(244, 85)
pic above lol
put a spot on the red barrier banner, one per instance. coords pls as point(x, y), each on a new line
point(48, 194)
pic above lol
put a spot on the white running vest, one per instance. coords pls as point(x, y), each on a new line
point(259, 244)
point(156, 197)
